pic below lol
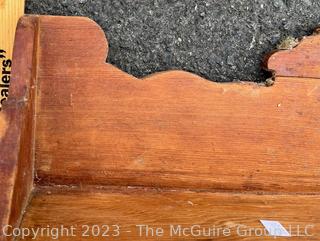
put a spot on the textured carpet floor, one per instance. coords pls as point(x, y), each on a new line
point(219, 40)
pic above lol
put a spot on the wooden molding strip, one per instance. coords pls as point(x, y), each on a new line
point(235, 213)
point(17, 129)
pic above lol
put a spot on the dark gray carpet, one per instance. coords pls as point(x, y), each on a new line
point(217, 39)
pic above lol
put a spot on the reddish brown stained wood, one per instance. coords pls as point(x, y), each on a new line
point(16, 131)
point(99, 125)
point(129, 208)
point(85, 122)
point(302, 61)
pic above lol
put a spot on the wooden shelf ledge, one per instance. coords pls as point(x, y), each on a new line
point(237, 214)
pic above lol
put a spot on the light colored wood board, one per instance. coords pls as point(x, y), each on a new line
point(99, 125)
point(10, 12)
point(129, 208)
point(16, 131)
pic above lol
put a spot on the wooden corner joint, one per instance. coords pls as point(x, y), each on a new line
point(16, 128)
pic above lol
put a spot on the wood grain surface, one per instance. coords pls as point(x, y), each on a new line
point(80, 125)
point(302, 61)
point(241, 213)
point(17, 130)
point(99, 125)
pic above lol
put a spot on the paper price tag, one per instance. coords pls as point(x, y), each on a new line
point(275, 228)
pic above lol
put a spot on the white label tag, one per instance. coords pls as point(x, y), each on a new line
point(275, 228)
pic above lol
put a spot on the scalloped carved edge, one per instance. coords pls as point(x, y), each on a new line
point(302, 61)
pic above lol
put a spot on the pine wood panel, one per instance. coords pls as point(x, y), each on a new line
point(99, 125)
point(132, 207)
point(10, 12)
point(86, 122)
